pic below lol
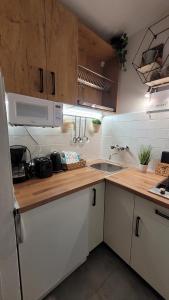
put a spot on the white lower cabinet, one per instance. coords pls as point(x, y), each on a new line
point(119, 207)
point(58, 236)
point(55, 243)
point(150, 244)
point(96, 215)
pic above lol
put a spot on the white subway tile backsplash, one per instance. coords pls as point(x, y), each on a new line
point(134, 130)
point(46, 140)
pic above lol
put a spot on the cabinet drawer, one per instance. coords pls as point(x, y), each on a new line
point(152, 210)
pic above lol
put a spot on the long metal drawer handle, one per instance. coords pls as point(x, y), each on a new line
point(137, 226)
point(53, 83)
point(94, 197)
point(161, 214)
point(41, 90)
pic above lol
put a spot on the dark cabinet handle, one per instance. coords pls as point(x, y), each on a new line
point(41, 80)
point(94, 197)
point(161, 214)
point(53, 83)
point(137, 226)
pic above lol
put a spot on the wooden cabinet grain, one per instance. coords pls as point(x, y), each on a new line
point(98, 56)
point(38, 53)
point(41, 45)
point(22, 46)
point(62, 52)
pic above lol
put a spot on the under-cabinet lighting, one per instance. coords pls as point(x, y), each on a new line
point(148, 93)
point(81, 112)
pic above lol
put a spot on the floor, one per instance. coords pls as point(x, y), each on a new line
point(103, 277)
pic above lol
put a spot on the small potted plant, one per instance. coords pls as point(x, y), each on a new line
point(96, 124)
point(144, 156)
point(120, 42)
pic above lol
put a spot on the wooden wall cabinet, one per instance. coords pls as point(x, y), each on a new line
point(61, 48)
point(41, 45)
point(98, 56)
point(38, 51)
point(22, 46)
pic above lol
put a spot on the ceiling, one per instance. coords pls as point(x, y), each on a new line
point(108, 17)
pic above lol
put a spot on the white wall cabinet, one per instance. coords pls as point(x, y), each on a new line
point(96, 215)
point(55, 243)
point(119, 207)
point(150, 244)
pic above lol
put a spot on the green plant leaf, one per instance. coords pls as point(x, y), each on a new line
point(144, 154)
point(96, 121)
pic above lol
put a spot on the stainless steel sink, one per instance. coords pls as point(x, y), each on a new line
point(107, 167)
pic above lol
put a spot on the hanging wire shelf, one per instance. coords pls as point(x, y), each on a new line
point(151, 60)
point(94, 80)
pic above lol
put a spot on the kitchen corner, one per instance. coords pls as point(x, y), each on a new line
point(33, 193)
point(84, 152)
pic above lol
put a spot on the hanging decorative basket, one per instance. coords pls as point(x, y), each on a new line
point(151, 60)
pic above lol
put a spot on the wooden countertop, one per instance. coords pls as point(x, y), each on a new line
point(36, 192)
point(139, 183)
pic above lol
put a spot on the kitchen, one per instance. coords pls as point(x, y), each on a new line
point(84, 138)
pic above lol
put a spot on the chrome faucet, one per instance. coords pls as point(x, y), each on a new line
point(119, 148)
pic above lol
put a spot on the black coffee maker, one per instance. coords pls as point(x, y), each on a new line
point(19, 163)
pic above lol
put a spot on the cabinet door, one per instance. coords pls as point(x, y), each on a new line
point(61, 46)
point(150, 245)
point(22, 51)
point(96, 215)
point(98, 56)
point(119, 206)
point(55, 243)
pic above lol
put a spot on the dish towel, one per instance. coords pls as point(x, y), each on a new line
point(69, 157)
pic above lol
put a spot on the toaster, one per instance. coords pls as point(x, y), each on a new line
point(42, 167)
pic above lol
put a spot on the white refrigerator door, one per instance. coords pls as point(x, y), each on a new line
point(9, 274)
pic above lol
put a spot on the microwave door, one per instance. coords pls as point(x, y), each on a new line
point(24, 110)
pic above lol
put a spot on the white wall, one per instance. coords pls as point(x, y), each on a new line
point(131, 125)
point(53, 139)
point(131, 91)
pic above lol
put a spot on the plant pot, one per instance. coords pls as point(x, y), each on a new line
point(66, 126)
point(96, 127)
point(143, 168)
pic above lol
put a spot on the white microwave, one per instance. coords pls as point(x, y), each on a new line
point(29, 111)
